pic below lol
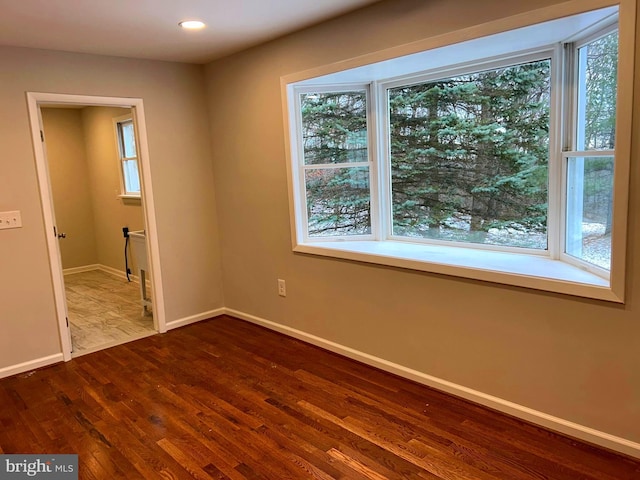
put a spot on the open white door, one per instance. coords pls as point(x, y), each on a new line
point(52, 235)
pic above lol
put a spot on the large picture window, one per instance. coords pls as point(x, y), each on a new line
point(469, 156)
point(464, 154)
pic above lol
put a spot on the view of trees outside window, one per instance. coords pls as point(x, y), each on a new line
point(590, 179)
point(469, 157)
point(335, 135)
point(598, 70)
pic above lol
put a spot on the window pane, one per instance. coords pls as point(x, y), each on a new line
point(597, 88)
point(334, 127)
point(469, 157)
point(589, 209)
point(338, 201)
point(128, 139)
point(131, 177)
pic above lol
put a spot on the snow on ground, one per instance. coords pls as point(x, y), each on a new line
point(596, 246)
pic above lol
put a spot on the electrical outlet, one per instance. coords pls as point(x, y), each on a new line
point(282, 288)
point(10, 220)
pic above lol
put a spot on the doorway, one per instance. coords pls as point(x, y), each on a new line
point(106, 275)
point(87, 158)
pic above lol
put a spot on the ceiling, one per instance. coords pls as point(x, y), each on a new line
point(149, 28)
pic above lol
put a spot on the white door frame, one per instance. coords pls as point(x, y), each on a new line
point(34, 101)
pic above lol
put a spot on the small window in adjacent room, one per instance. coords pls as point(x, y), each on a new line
point(129, 175)
point(502, 158)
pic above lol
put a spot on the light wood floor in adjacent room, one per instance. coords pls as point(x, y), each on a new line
point(226, 399)
point(104, 310)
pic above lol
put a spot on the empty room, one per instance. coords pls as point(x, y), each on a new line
point(355, 239)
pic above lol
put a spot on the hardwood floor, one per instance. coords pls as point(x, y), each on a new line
point(104, 310)
point(225, 399)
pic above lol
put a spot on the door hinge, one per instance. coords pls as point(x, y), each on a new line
point(67, 319)
point(41, 135)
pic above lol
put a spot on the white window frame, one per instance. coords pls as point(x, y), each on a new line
point(549, 270)
point(551, 53)
point(301, 168)
point(570, 134)
point(122, 158)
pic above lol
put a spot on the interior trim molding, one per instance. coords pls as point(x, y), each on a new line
point(99, 266)
point(82, 269)
point(30, 365)
point(181, 322)
point(117, 273)
point(551, 422)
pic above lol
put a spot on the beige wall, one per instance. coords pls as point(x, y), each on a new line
point(569, 357)
point(180, 156)
point(111, 212)
point(69, 175)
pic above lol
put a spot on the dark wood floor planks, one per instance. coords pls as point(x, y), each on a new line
point(225, 399)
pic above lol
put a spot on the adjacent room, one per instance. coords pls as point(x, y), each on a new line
point(356, 239)
point(94, 201)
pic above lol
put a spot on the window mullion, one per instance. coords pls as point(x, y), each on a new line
point(374, 165)
point(382, 160)
point(588, 153)
point(569, 97)
point(558, 128)
point(335, 166)
point(581, 100)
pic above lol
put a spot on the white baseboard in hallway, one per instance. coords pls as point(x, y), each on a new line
point(195, 318)
point(98, 266)
point(117, 273)
point(82, 269)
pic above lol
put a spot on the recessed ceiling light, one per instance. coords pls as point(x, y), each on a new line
point(192, 24)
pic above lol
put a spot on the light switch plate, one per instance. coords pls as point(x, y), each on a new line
point(10, 220)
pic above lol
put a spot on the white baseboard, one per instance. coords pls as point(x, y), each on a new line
point(84, 268)
point(98, 266)
point(195, 318)
point(30, 365)
point(561, 425)
point(117, 273)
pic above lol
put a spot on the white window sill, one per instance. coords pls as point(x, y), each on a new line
point(529, 271)
point(130, 197)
